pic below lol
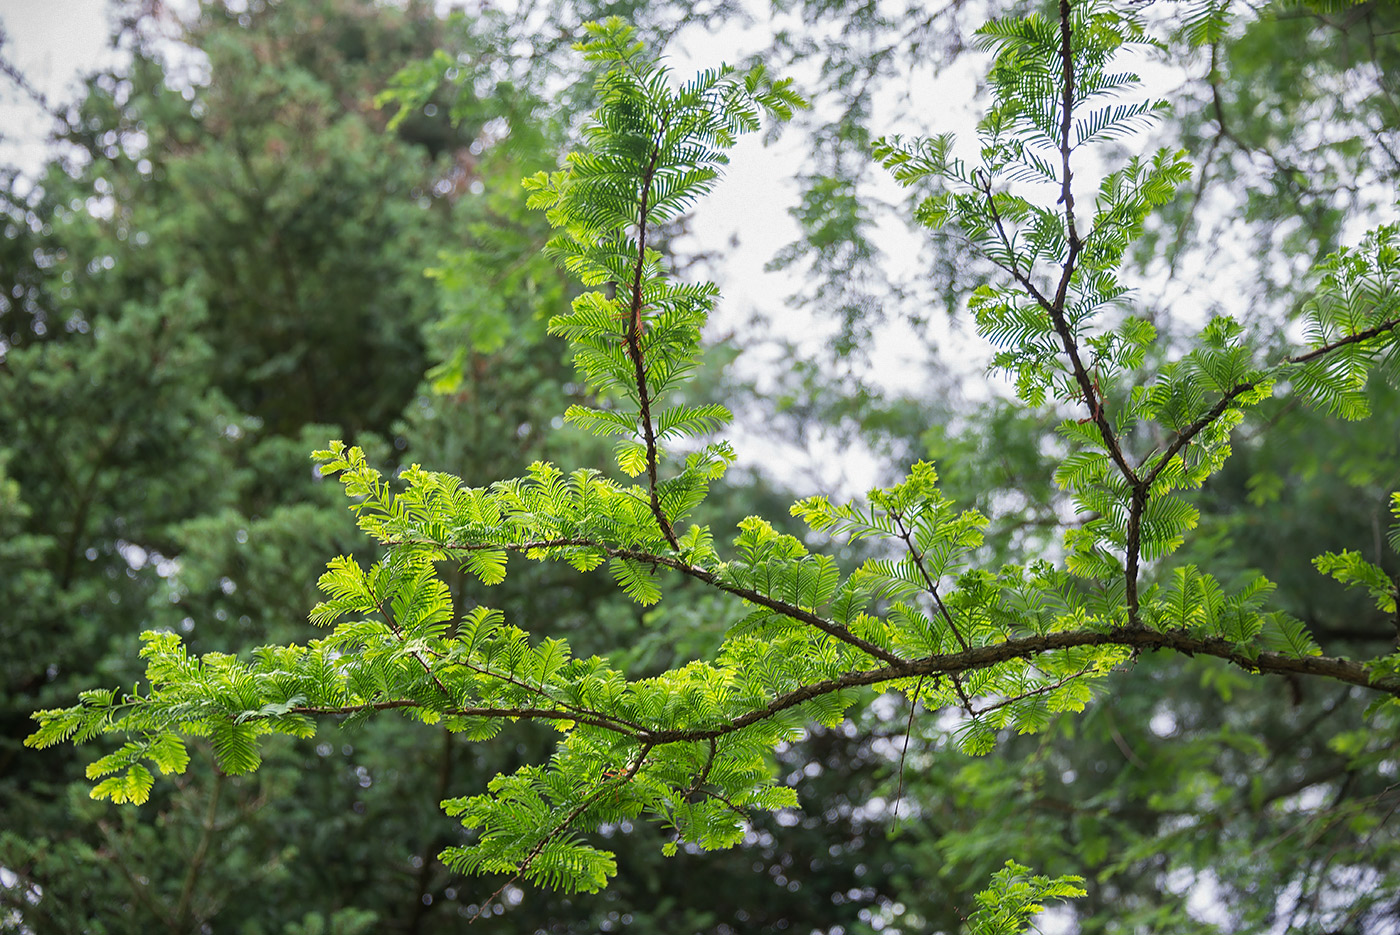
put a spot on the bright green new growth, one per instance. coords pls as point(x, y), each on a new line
point(1350, 568)
point(1009, 648)
point(1007, 906)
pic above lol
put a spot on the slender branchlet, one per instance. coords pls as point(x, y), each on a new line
point(635, 326)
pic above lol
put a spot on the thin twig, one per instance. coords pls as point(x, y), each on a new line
point(932, 587)
point(704, 773)
point(398, 631)
point(929, 584)
point(908, 729)
point(1343, 342)
point(1066, 126)
point(1184, 437)
point(1031, 693)
point(519, 714)
point(1055, 309)
point(208, 828)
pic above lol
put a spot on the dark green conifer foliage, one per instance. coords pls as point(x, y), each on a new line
point(139, 492)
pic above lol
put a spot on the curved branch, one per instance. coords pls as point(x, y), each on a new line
point(791, 611)
point(950, 664)
point(1366, 335)
point(982, 657)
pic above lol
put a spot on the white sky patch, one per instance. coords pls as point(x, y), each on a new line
point(1163, 722)
point(747, 220)
point(1055, 920)
point(51, 42)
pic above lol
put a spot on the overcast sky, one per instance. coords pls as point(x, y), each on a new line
point(51, 42)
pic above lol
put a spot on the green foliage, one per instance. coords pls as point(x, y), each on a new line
point(1286, 119)
point(691, 750)
point(1352, 318)
point(1014, 898)
point(1352, 570)
point(156, 475)
point(652, 152)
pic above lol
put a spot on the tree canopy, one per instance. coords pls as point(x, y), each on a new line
point(1007, 633)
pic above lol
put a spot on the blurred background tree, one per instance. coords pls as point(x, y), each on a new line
point(176, 295)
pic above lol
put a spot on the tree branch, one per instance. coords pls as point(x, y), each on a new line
point(1184, 437)
point(1066, 126)
point(982, 657)
point(591, 718)
point(950, 664)
point(208, 828)
point(398, 631)
point(1343, 342)
point(1031, 693)
point(634, 351)
point(1055, 309)
point(929, 584)
point(932, 587)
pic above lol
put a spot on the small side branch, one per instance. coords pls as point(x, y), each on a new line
point(1185, 436)
point(607, 785)
point(1137, 505)
point(932, 587)
point(398, 632)
point(575, 712)
point(593, 719)
point(704, 774)
point(1032, 693)
point(763, 600)
point(1066, 127)
point(929, 584)
point(1366, 335)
